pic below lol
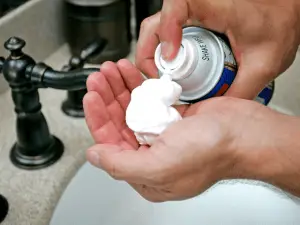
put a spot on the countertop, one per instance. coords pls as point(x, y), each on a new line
point(33, 195)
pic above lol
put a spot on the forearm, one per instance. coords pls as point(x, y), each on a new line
point(272, 155)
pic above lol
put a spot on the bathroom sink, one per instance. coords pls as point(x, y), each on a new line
point(93, 198)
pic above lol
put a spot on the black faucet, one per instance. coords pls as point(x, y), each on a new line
point(35, 147)
point(73, 106)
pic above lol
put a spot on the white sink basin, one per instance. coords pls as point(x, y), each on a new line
point(93, 198)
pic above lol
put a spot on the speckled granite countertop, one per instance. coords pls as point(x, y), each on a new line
point(33, 195)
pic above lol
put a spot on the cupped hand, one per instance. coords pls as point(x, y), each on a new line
point(264, 36)
point(189, 157)
point(107, 99)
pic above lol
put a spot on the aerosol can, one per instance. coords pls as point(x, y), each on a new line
point(204, 67)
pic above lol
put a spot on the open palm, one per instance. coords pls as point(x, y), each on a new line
point(106, 102)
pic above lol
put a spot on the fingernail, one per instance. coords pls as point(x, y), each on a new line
point(93, 158)
point(166, 50)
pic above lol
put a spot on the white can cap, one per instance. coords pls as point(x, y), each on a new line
point(185, 62)
point(197, 66)
point(182, 65)
point(176, 62)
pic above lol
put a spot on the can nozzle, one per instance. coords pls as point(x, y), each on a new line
point(182, 65)
point(174, 63)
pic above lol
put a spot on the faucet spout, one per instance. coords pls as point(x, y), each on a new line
point(45, 77)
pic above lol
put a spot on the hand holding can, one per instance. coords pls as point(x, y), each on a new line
point(258, 49)
point(204, 67)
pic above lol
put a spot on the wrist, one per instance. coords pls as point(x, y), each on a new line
point(270, 152)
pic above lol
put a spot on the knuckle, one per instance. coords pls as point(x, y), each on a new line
point(151, 22)
point(91, 78)
point(146, 23)
point(108, 63)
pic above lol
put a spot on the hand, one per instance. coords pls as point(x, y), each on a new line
point(264, 36)
point(191, 155)
point(106, 102)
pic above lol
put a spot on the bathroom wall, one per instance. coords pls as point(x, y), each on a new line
point(38, 23)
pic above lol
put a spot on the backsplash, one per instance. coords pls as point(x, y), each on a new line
point(37, 22)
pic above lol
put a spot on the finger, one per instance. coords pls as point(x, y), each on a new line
point(130, 138)
point(253, 75)
point(95, 111)
point(98, 83)
point(115, 108)
point(146, 45)
point(174, 14)
point(132, 77)
point(117, 112)
point(122, 164)
point(97, 118)
point(114, 78)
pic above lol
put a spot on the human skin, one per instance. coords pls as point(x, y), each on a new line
point(220, 138)
point(264, 36)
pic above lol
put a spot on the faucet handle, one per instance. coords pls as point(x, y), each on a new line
point(14, 45)
point(93, 48)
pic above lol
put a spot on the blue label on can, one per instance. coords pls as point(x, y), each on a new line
point(227, 79)
point(223, 84)
point(230, 69)
point(266, 94)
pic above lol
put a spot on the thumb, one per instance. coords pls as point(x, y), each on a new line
point(174, 14)
point(129, 165)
